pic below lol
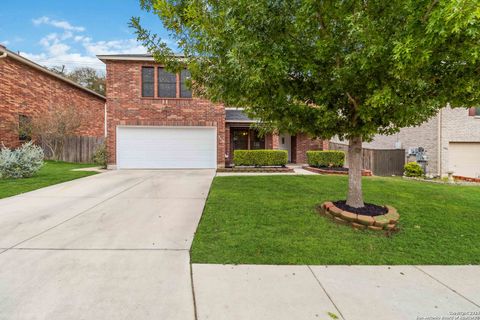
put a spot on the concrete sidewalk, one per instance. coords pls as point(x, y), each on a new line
point(324, 292)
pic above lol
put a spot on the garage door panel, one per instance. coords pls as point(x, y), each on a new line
point(163, 147)
point(464, 159)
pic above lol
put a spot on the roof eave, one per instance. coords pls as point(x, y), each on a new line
point(38, 67)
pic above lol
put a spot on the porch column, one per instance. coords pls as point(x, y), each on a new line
point(325, 144)
point(275, 141)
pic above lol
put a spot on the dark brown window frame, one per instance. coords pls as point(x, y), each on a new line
point(144, 83)
point(156, 94)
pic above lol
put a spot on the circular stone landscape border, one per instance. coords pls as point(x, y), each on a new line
point(387, 221)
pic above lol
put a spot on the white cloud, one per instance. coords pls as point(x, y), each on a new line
point(113, 47)
point(62, 24)
point(74, 49)
point(4, 42)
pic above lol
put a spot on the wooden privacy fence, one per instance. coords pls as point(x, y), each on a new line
point(77, 149)
point(381, 162)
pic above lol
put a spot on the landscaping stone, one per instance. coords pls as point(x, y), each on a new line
point(391, 227)
point(381, 221)
point(358, 226)
point(348, 216)
point(392, 217)
point(341, 221)
point(360, 221)
point(366, 220)
point(335, 211)
point(327, 205)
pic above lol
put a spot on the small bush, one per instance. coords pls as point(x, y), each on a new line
point(22, 162)
point(100, 156)
point(327, 158)
point(259, 158)
point(413, 169)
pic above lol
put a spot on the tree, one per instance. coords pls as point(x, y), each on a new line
point(51, 128)
point(347, 68)
point(60, 70)
point(89, 78)
point(85, 76)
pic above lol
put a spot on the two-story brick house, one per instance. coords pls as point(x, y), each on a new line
point(153, 121)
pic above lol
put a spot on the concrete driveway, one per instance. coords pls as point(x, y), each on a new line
point(110, 246)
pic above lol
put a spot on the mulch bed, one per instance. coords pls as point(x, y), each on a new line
point(369, 209)
point(254, 169)
point(335, 170)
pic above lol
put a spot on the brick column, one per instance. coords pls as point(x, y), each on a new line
point(325, 144)
point(227, 145)
point(275, 141)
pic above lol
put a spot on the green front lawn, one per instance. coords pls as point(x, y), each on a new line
point(271, 220)
point(51, 173)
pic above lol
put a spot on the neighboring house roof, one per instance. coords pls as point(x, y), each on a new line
point(7, 53)
point(129, 57)
point(237, 115)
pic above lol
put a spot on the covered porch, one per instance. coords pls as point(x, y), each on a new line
point(239, 135)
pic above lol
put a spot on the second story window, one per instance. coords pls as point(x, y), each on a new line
point(185, 92)
point(167, 84)
point(148, 81)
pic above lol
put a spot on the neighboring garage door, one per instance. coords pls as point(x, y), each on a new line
point(166, 147)
point(464, 159)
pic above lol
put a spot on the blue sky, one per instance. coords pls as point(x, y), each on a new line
point(72, 32)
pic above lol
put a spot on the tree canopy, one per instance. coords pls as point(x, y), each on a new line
point(344, 68)
point(88, 77)
point(347, 68)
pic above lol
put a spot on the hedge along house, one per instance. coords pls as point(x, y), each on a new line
point(154, 121)
point(28, 90)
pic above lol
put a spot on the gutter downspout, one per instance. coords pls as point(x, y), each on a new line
point(105, 121)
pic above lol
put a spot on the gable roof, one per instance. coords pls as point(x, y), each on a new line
point(7, 53)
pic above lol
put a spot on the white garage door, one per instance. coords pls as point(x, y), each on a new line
point(166, 147)
point(464, 159)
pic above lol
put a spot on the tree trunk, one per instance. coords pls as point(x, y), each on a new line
point(355, 195)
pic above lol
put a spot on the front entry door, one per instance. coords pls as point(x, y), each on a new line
point(285, 143)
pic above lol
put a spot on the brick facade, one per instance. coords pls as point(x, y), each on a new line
point(300, 144)
point(25, 90)
point(126, 106)
point(435, 135)
point(304, 144)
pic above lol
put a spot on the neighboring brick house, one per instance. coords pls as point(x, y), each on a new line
point(28, 90)
point(154, 122)
point(451, 140)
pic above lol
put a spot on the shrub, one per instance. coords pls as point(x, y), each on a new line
point(413, 169)
point(327, 158)
point(22, 162)
point(260, 158)
point(100, 155)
